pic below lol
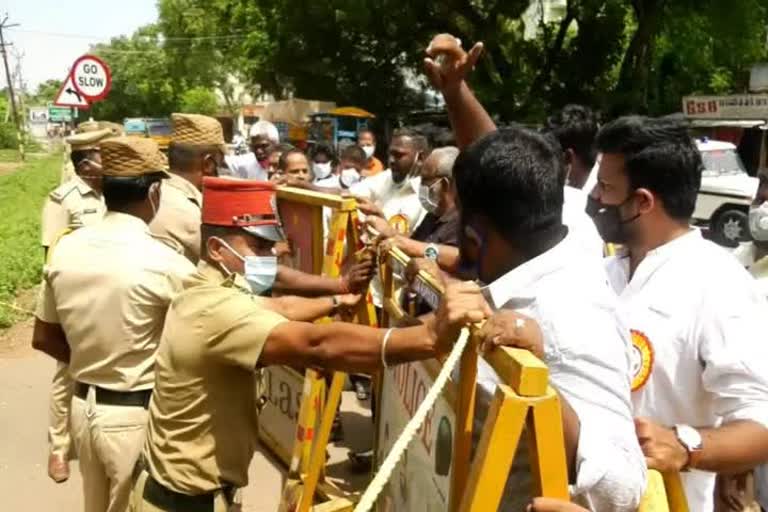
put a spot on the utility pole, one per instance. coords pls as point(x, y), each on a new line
point(3, 25)
point(22, 111)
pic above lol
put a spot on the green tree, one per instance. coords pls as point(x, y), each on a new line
point(616, 55)
point(200, 100)
point(142, 82)
point(46, 92)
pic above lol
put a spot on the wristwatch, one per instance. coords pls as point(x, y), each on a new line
point(336, 304)
point(432, 252)
point(691, 440)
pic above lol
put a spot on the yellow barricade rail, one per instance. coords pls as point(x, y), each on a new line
point(524, 399)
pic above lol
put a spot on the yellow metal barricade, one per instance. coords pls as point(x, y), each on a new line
point(305, 482)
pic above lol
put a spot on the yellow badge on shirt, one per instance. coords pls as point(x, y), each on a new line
point(399, 223)
point(642, 359)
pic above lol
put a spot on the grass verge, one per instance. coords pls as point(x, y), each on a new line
point(22, 195)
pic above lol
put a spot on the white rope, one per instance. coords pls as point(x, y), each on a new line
point(371, 494)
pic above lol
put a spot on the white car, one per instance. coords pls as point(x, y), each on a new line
point(726, 193)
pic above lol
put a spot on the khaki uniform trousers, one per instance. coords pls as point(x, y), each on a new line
point(59, 440)
point(139, 504)
point(108, 439)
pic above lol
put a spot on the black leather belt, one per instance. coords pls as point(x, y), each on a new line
point(109, 397)
point(171, 501)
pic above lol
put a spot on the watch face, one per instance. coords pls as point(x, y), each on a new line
point(689, 436)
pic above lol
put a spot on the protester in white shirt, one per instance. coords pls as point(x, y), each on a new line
point(510, 192)
point(255, 165)
point(393, 195)
point(575, 127)
point(700, 364)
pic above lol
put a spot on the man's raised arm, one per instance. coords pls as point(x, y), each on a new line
point(447, 66)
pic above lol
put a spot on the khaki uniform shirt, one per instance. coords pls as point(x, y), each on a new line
point(202, 418)
point(178, 219)
point(109, 286)
point(67, 168)
point(72, 205)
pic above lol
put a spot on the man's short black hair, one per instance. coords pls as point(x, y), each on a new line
point(78, 155)
point(283, 161)
point(575, 127)
point(420, 142)
point(514, 179)
point(354, 154)
point(323, 149)
point(121, 193)
point(181, 157)
point(659, 155)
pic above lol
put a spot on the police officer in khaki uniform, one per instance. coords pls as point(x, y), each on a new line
point(76, 203)
point(219, 330)
point(196, 150)
point(106, 290)
point(68, 170)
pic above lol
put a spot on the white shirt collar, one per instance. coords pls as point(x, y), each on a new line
point(658, 256)
point(519, 283)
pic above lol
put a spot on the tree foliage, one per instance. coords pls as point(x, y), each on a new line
point(142, 82)
point(616, 55)
point(200, 100)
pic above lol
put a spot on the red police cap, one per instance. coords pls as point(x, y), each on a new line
point(247, 204)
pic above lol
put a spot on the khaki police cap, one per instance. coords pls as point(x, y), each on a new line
point(131, 157)
point(115, 128)
point(197, 130)
point(88, 140)
point(94, 126)
point(87, 126)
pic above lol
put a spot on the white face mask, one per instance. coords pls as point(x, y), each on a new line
point(758, 222)
point(429, 196)
point(369, 151)
point(321, 171)
point(260, 271)
point(349, 177)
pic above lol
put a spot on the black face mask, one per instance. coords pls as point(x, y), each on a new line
point(607, 219)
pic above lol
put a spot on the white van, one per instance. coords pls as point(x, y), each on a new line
point(726, 193)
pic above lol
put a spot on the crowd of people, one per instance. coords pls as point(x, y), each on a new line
point(157, 299)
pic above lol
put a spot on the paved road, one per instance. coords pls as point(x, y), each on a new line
point(24, 485)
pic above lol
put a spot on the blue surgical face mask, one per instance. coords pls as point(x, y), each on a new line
point(260, 271)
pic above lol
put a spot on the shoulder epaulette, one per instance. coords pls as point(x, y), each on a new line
point(63, 191)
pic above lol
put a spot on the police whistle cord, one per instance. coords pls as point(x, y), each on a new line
point(371, 494)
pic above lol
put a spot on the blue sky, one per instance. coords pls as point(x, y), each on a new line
point(53, 33)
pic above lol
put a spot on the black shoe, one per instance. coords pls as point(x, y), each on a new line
point(361, 462)
point(337, 430)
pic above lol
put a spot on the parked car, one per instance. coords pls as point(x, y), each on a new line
point(726, 193)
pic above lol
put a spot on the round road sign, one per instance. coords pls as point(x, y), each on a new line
point(91, 77)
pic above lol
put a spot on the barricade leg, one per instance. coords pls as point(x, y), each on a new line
point(547, 447)
point(497, 447)
point(317, 462)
